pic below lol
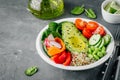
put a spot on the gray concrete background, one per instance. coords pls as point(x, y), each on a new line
point(18, 32)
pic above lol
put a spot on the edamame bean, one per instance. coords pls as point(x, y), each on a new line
point(103, 48)
point(90, 56)
point(95, 51)
point(96, 57)
point(92, 48)
point(103, 52)
point(89, 51)
point(31, 70)
point(100, 54)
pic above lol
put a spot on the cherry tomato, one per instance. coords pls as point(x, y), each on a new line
point(80, 24)
point(87, 33)
point(92, 25)
point(100, 30)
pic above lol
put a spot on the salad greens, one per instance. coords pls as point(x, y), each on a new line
point(54, 29)
point(78, 10)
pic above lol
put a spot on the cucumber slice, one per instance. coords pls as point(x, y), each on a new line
point(45, 49)
point(117, 12)
point(94, 39)
point(102, 43)
point(114, 5)
point(98, 44)
point(107, 39)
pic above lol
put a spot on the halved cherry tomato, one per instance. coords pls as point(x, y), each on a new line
point(100, 30)
point(80, 24)
point(92, 25)
point(68, 59)
point(87, 33)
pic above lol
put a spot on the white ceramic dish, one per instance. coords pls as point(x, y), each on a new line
point(43, 55)
point(108, 17)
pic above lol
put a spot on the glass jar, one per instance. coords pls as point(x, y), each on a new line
point(46, 9)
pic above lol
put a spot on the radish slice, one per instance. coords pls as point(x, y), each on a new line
point(56, 44)
point(51, 37)
point(47, 42)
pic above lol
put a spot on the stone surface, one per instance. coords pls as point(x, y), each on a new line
point(18, 32)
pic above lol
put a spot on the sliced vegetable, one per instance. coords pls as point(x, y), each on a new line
point(53, 50)
point(56, 44)
point(56, 59)
point(78, 10)
point(100, 30)
point(80, 24)
point(59, 58)
point(90, 13)
point(45, 49)
point(94, 39)
point(47, 42)
point(98, 44)
point(50, 37)
point(87, 33)
point(92, 25)
point(73, 39)
point(31, 70)
point(107, 39)
point(68, 59)
point(62, 58)
point(102, 43)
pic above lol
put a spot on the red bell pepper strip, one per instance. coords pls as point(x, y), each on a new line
point(59, 58)
point(63, 57)
point(55, 58)
point(68, 59)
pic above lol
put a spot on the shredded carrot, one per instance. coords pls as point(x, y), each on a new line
point(54, 50)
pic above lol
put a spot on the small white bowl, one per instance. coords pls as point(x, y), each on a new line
point(45, 57)
point(108, 17)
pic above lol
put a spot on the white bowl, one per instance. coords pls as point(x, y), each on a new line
point(44, 56)
point(108, 17)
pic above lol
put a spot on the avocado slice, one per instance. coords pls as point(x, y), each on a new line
point(73, 39)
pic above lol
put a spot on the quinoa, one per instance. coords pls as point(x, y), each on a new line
point(80, 59)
